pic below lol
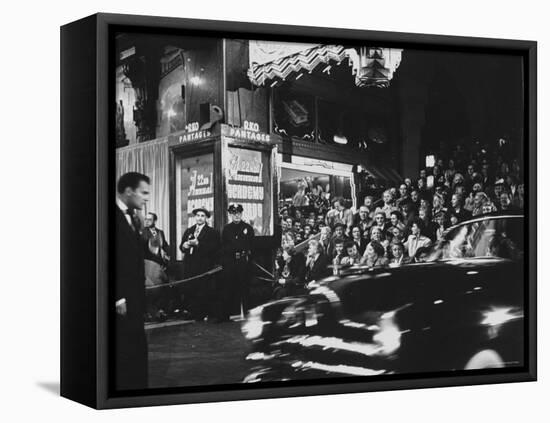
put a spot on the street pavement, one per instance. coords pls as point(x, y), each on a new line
point(196, 353)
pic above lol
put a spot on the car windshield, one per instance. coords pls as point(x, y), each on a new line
point(492, 237)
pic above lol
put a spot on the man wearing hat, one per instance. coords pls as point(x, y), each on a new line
point(237, 240)
point(200, 245)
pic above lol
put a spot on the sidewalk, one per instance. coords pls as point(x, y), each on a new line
point(188, 353)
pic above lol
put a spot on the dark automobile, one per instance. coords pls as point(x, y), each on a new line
point(460, 309)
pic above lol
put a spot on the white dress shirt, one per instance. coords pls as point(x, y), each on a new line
point(198, 229)
point(124, 208)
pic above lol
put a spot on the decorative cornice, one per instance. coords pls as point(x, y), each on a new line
point(372, 67)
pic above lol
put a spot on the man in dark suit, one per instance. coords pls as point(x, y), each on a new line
point(200, 245)
point(156, 246)
point(131, 367)
point(317, 262)
point(156, 250)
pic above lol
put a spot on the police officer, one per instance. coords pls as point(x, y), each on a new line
point(237, 239)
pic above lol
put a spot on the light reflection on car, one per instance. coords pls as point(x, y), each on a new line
point(460, 309)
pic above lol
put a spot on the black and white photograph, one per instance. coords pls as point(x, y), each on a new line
point(286, 211)
point(296, 212)
point(275, 211)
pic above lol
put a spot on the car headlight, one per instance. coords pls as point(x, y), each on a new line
point(253, 327)
point(388, 337)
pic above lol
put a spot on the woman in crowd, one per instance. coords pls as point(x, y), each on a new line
point(441, 224)
point(357, 237)
point(416, 238)
point(395, 235)
point(374, 255)
point(376, 234)
point(325, 239)
point(469, 200)
point(352, 254)
point(438, 204)
point(480, 199)
point(388, 206)
point(396, 220)
point(397, 255)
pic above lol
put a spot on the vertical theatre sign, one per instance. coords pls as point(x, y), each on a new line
point(248, 174)
point(245, 186)
point(194, 177)
point(201, 191)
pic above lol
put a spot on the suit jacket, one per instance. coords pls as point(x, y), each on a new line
point(203, 257)
point(130, 345)
point(363, 224)
point(361, 245)
point(129, 269)
point(146, 235)
point(319, 269)
point(462, 213)
point(296, 267)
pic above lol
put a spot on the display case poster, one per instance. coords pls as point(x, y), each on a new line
point(196, 188)
point(248, 179)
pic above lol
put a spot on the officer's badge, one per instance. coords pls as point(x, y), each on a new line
point(245, 231)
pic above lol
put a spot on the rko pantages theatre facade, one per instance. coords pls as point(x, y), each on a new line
point(215, 121)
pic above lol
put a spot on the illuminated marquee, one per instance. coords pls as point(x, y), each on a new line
point(193, 136)
point(248, 135)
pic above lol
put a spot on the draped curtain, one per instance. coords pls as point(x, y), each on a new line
point(150, 158)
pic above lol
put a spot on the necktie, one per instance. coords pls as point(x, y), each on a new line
point(133, 223)
point(195, 236)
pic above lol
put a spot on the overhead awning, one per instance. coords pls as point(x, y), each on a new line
point(271, 63)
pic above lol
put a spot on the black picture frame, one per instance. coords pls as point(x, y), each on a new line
point(87, 186)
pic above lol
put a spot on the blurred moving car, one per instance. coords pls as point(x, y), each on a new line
point(460, 309)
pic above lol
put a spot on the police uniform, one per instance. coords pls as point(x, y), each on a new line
point(237, 240)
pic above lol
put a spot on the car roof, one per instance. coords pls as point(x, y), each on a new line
point(487, 216)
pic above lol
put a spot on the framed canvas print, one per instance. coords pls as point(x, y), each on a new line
point(255, 211)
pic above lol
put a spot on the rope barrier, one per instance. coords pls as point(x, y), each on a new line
point(264, 279)
point(208, 273)
point(264, 270)
point(172, 284)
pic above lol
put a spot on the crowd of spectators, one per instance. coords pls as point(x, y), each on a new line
point(397, 226)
